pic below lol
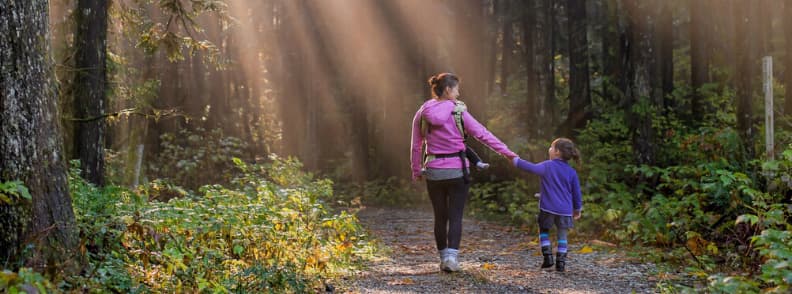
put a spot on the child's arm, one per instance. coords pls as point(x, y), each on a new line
point(536, 168)
point(577, 197)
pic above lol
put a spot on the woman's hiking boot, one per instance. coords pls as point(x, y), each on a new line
point(450, 263)
point(547, 252)
point(443, 258)
point(561, 262)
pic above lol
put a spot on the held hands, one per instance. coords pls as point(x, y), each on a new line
point(576, 214)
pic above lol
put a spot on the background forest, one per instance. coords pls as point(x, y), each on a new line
point(265, 121)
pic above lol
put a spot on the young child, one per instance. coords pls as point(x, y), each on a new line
point(560, 199)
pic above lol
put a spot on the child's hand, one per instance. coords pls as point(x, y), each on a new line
point(576, 214)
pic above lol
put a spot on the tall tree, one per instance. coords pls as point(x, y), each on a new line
point(700, 31)
point(507, 47)
point(744, 87)
point(90, 84)
point(579, 92)
point(531, 83)
point(642, 82)
point(30, 142)
point(664, 28)
point(547, 49)
point(788, 58)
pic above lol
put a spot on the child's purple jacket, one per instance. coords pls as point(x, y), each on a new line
point(560, 186)
point(443, 136)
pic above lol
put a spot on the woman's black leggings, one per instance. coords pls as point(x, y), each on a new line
point(448, 201)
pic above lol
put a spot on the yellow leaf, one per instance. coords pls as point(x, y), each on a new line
point(488, 266)
point(586, 249)
point(405, 281)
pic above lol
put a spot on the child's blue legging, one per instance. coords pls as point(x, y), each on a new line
point(544, 239)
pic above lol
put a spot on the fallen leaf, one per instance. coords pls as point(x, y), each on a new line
point(405, 281)
point(488, 266)
point(586, 249)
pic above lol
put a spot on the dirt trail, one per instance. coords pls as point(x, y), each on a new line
point(494, 258)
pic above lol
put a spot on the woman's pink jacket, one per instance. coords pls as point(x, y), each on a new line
point(443, 136)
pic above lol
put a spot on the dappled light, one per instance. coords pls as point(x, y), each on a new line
point(395, 146)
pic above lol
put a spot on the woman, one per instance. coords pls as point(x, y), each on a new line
point(445, 167)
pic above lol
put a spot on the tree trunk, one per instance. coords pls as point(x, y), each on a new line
point(788, 58)
point(30, 142)
point(90, 87)
point(664, 29)
point(641, 84)
point(699, 53)
point(744, 87)
point(528, 26)
point(507, 47)
point(549, 64)
point(579, 92)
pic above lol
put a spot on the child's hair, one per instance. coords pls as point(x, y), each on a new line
point(567, 149)
point(441, 81)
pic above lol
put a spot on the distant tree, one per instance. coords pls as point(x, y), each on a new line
point(90, 87)
point(641, 94)
point(744, 86)
point(788, 58)
point(700, 51)
point(579, 91)
point(507, 47)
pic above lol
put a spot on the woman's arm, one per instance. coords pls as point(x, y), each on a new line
point(478, 131)
point(416, 146)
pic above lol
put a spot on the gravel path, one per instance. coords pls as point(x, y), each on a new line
point(494, 259)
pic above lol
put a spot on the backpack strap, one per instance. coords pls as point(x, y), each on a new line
point(459, 109)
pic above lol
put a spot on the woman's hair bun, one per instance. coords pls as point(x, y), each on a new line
point(433, 80)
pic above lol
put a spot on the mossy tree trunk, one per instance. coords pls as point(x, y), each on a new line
point(31, 143)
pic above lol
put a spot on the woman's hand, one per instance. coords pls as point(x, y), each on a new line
point(576, 214)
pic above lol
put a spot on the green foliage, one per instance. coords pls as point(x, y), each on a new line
point(514, 199)
point(385, 192)
point(13, 191)
point(24, 281)
point(268, 231)
point(770, 216)
point(192, 158)
point(173, 33)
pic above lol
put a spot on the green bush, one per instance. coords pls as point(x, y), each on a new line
point(193, 158)
point(268, 231)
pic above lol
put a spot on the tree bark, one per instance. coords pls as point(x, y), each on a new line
point(579, 91)
point(507, 47)
point(546, 52)
point(788, 58)
point(744, 87)
point(30, 142)
point(699, 53)
point(90, 86)
point(641, 83)
point(664, 29)
point(528, 26)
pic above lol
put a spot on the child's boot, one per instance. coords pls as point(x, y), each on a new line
point(547, 252)
point(561, 261)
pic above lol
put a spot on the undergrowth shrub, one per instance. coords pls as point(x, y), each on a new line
point(268, 230)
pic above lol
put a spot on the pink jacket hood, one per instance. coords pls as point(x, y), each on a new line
point(443, 136)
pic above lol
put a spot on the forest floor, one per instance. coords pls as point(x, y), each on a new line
point(495, 258)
